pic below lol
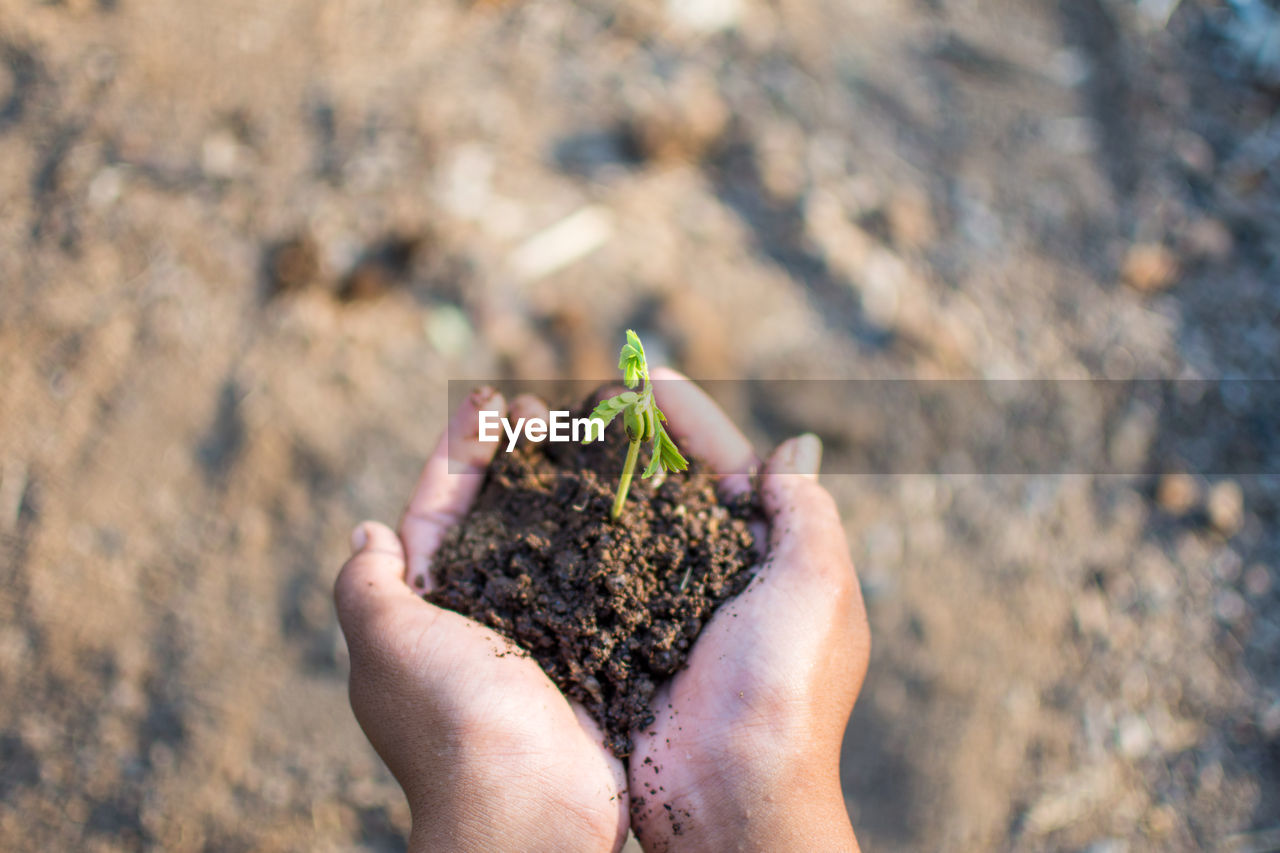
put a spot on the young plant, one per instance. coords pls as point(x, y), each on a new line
point(642, 419)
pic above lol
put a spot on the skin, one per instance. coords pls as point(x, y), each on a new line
point(746, 742)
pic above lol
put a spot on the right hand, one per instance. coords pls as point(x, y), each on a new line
point(744, 751)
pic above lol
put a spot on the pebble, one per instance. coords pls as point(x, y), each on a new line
point(221, 155)
point(562, 244)
point(1229, 606)
point(106, 186)
point(1257, 580)
point(1177, 494)
point(1210, 777)
point(910, 220)
point(682, 123)
point(1269, 721)
point(448, 330)
point(368, 280)
point(1149, 267)
point(1161, 820)
point(1133, 737)
point(1108, 845)
point(704, 16)
point(1226, 507)
point(1208, 239)
point(1091, 613)
point(294, 264)
point(1195, 153)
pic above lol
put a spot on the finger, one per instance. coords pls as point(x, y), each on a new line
point(703, 430)
point(449, 483)
point(800, 456)
point(372, 579)
point(528, 406)
point(805, 533)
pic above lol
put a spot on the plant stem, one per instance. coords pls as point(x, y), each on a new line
point(624, 484)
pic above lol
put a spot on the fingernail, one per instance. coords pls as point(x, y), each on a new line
point(418, 567)
point(359, 538)
point(482, 395)
point(804, 455)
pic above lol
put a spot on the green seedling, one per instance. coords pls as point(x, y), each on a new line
point(642, 419)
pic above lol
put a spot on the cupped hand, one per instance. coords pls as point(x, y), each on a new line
point(744, 751)
point(491, 755)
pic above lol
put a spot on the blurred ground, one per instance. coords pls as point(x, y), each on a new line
point(243, 246)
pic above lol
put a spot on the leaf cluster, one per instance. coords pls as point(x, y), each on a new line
point(640, 410)
point(631, 361)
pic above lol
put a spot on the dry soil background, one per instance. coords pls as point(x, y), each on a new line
point(243, 245)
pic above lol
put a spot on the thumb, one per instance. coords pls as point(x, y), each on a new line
point(805, 533)
point(809, 564)
point(372, 580)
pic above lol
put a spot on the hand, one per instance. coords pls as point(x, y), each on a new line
point(490, 754)
point(744, 753)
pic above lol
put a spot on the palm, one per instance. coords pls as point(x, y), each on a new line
point(735, 674)
point(521, 721)
point(776, 669)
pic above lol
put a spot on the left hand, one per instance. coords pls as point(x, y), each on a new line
point(491, 755)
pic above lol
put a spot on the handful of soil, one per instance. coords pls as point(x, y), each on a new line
point(609, 610)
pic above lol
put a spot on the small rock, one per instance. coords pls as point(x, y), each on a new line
point(562, 244)
point(221, 155)
point(1210, 777)
point(367, 280)
point(704, 16)
point(1161, 820)
point(1226, 565)
point(780, 149)
point(910, 219)
point(1257, 581)
point(1229, 606)
point(1072, 798)
point(1208, 239)
point(1226, 507)
point(293, 264)
point(1269, 721)
point(106, 186)
point(1108, 845)
point(1177, 493)
point(1149, 267)
point(1133, 737)
point(448, 330)
point(1091, 613)
point(1194, 152)
point(384, 265)
point(683, 123)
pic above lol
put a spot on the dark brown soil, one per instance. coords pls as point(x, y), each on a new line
point(609, 610)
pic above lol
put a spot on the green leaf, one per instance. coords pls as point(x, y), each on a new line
point(665, 455)
point(606, 410)
point(631, 360)
point(672, 459)
point(633, 340)
point(654, 462)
